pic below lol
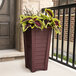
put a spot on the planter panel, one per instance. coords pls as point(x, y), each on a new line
point(37, 45)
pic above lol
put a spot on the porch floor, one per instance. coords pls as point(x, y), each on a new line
point(11, 54)
point(17, 68)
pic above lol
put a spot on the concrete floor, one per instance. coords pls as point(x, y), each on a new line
point(17, 68)
point(10, 53)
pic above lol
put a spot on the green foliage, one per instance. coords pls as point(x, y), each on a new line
point(64, 58)
point(49, 12)
point(41, 21)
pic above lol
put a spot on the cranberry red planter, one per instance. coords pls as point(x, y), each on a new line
point(37, 45)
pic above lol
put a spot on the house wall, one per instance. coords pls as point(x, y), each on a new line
point(20, 6)
point(66, 31)
point(37, 4)
point(55, 2)
point(18, 40)
point(66, 34)
point(72, 24)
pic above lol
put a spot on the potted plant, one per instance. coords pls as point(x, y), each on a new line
point(37, 31)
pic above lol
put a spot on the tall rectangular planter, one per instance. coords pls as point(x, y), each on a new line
point(37, 46)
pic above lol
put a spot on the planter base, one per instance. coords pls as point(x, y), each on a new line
point(34, 70)
point(37, 45)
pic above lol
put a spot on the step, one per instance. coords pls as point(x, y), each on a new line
point(11, 54)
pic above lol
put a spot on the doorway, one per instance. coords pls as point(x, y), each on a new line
point(7, 24)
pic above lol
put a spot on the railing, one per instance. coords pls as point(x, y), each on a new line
point(61, 58)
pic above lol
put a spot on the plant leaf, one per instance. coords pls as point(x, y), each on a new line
point(26, 19)
point(57, 22)
point(25, 26)
point(39, 24)
point(49, 12)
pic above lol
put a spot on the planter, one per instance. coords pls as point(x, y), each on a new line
point(37, 45)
